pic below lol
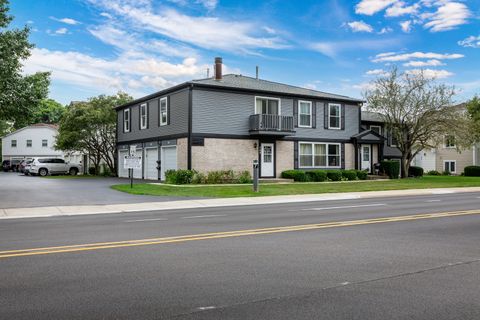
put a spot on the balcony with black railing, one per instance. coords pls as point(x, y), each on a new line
point(271, 124)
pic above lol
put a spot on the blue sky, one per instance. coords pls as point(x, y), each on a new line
point(141, 46)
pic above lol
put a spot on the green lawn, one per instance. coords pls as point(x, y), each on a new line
point(299, 188)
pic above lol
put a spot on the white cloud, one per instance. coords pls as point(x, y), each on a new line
point(69, 21)
point(125, 72)
point(470, 42)
point(375, 72)
point(106, 15)
point(448, 16)
point(370, 7)
point(400, 9)
point(205, 32)
point(385, 30)
point(431, 73)
point(393, 57)
point(360, 26)
point(428, 63)
point(61, 31)
point(209, 4)
point(332, 49)
point(406, 26)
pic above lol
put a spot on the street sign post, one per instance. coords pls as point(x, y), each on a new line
point(132, 161)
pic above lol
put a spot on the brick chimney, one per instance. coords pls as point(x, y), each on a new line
point(218, 68)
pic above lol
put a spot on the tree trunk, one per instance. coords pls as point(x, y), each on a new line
point(405, 165)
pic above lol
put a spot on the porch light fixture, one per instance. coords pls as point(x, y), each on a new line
point(255, 145)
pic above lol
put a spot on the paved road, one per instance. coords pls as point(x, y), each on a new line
point(421, 267)
point(20, 191)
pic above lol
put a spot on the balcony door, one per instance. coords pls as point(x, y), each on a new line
point(267, 160)
point(267, 106)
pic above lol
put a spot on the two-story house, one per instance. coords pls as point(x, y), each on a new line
point(228, 121)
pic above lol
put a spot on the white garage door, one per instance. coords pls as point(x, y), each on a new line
point(137, 173)
point(151, 157)
point(169, 159)
point(122, 173)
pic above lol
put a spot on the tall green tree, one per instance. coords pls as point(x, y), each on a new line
point(473, 109)
point(48, 111)
point(19, 94)
point(90, 127)
point(417, 111)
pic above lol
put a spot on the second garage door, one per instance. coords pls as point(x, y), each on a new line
point(169, 159)
point(122, 173)
point(151, 157)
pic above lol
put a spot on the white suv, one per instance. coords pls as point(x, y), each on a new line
point(46, 166)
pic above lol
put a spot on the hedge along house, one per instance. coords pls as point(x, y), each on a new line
point(228, 121)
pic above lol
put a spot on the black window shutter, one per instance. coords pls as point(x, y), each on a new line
point(140, 117)
point(314, 114)
point(342, 109)
point(342, 155)
point(159, 109)
point(168, 110)
point(295, 113)
point(295, 154)
point(148, 114)
point(325, 115)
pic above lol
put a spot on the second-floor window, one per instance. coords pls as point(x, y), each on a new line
point(163, 111)
point(305, 114)
point(143, 116)
point(14, 143)
point(44, 143)
point(377, 129)
point(450, 141)
point(334, 116)
point(267, 105)
point(126, 120)
point(29, 143)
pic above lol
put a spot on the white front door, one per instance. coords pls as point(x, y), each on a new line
point(169, 160)
point(151, 157)
point(366, 157)
point(267, 159)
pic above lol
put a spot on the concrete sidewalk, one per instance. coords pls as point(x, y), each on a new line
point(36, 212)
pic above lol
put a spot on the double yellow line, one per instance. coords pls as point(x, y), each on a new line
point(228, 234)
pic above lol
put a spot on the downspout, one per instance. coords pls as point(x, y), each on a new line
point(189, 142)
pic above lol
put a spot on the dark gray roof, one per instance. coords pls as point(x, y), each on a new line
point(371, 116)
point(235, 81)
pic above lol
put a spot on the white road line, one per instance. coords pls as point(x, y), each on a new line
point(209, 216)
point(346, 207)
point(142, 220)
point(435, 200)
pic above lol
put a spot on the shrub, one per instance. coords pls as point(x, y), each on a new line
point(446, 173)
point(199, 178)
point(214, 177)
point(317, 175)
point(390, 168)
point(296, 175)
point(472, 171)
point(433, 173)
point(179, 176)
point(362, 174)
point(349, 174)
point(92, 171)
point(334, 175)
point(414, 171)
point(244, 177)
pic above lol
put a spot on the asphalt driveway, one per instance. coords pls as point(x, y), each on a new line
point(19, 191)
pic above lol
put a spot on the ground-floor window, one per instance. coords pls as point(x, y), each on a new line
point(450, 166)
point(319, 155)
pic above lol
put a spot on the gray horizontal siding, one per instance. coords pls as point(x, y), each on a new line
point(217, 112)
point(178, 109)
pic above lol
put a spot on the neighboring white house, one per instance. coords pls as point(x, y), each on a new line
point(36, 140)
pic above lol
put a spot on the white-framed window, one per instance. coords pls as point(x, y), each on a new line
point(334, 116)
point(377, 129)
point(44, 143)
point(143, 116)
point(319, 155)
point(29, 143)
point(449, 141)
point(450, 166)
point(163, 111)
point(392, 140)
point(305, 114)
point(13, 143)
point(266, 105)
point(126, 120)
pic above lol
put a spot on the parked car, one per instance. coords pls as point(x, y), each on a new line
point(10, 165)
point(46, 166)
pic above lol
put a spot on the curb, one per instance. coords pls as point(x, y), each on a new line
point(39, 212)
